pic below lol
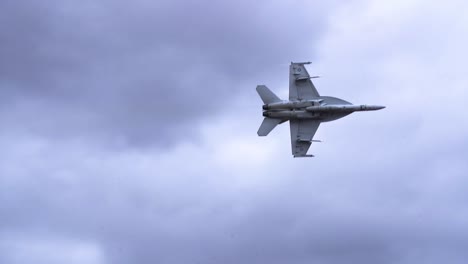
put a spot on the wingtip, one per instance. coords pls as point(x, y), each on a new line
point(303, 62)
point(304, 156)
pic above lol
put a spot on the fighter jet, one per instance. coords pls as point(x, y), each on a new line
point(305, 110)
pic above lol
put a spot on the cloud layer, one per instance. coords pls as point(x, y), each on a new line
point(139, 73)
point(130, 133)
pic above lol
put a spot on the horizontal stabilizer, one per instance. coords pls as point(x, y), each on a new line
point(267, 126)
point(267, 96)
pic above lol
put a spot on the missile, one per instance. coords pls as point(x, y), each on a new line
point(304, 62)
point(343, 108)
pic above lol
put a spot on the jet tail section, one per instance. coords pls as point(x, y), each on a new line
point(267, 96)
point(267, 126)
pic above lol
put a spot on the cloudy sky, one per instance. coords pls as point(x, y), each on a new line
point(129, 132)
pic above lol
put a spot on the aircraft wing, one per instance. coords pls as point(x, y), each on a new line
point(300, 84)
point(302, 133)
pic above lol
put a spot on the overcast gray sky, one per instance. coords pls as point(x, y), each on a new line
point(129, 133)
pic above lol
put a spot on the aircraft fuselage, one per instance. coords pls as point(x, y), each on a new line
point(324, 108)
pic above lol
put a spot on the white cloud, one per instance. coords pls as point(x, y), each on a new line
point(408, 55)
point(47, 250)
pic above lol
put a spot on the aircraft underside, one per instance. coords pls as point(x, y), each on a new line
point(305, 109)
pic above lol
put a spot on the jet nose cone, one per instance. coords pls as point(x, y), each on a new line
point(374, 107)
point(378, 107)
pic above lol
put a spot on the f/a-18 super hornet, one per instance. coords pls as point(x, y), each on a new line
point(304, 110)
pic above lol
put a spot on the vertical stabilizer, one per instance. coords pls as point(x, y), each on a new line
point(267, 96)
point(267, 126)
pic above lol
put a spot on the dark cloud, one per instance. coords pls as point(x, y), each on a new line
point(387, 187)
point(147, 215)
point(139, 73)
point(143, 208)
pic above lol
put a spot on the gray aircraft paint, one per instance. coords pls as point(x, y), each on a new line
point(305, 109)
